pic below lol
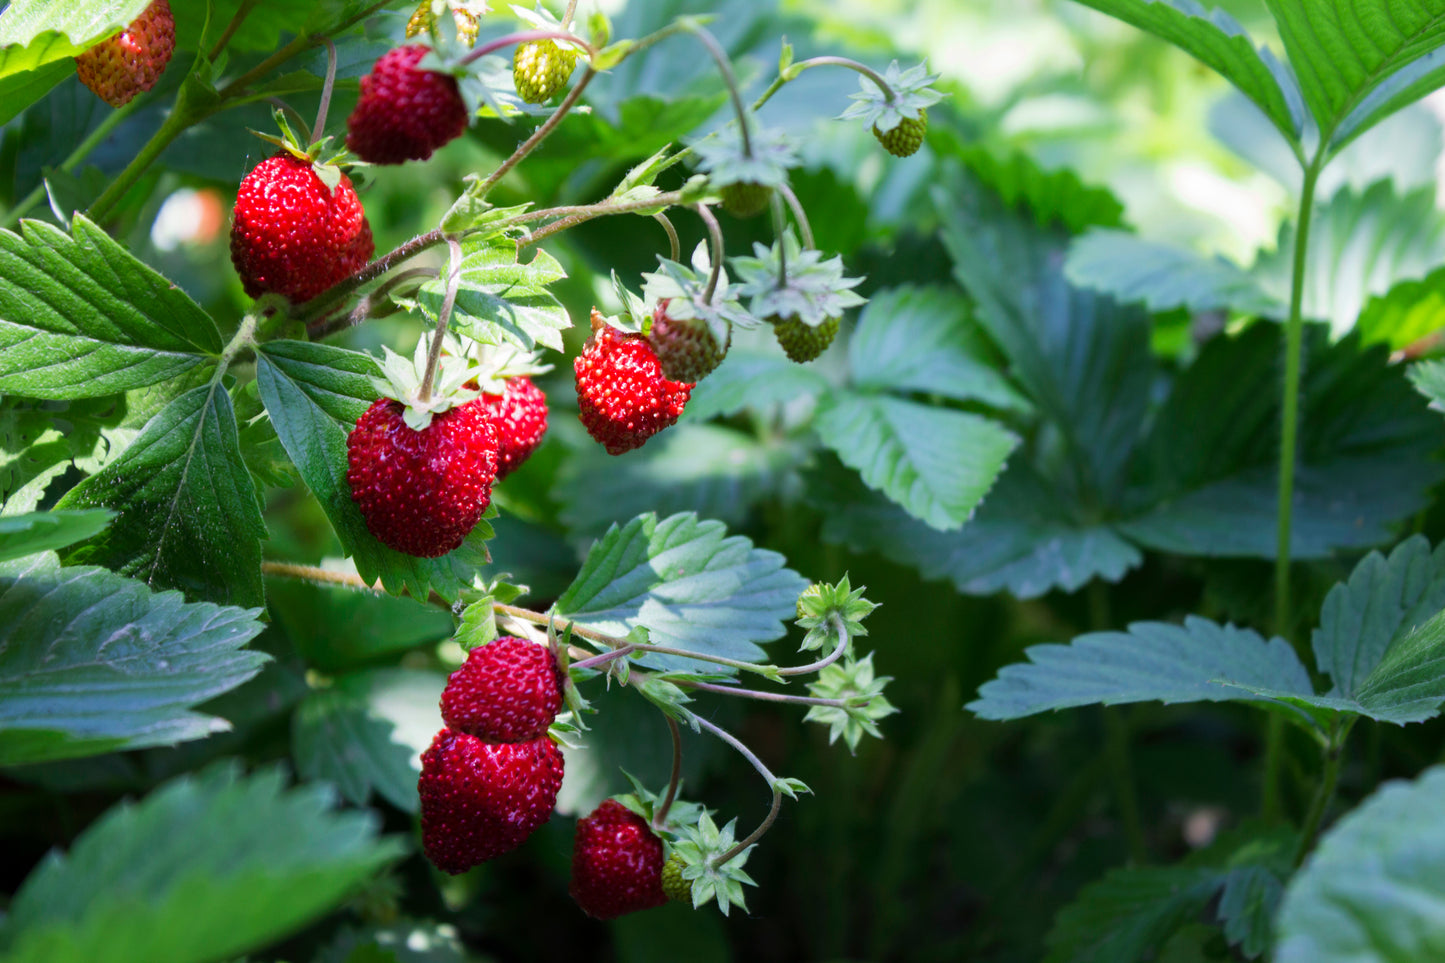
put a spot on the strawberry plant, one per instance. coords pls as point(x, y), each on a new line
point(421, 425)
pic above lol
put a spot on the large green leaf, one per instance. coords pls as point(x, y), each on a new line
point(91, 662)
point(1128, 913)
point(1409, 311)
point(1025, 539)
point(27, 534)
point(925, 340)
point(205, 868)
point(185, 504)
point(41, 440)
point(1360, 60)
point(1216, 39)
point(80, 316)
point(500, 301)
point(935, 462)
point(1199, 661)
point(1205, 477)
point(314, 394)
point(1383, 601)
point(1374, 890)
point(1054, 197)
point(38, 38)
point(1083, 359)
point(1164, 277)
point(367, 731)
point(748, 379)
point(688, 583)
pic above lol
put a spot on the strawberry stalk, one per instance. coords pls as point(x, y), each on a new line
point(799, 215)
point(671, 235)
point(541, 133)
point(659, 817)
point(320, 126)
point(714, 233)
point(434, 355)
point(772, 781)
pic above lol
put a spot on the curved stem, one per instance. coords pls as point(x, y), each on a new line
point(605, 658)
point(799, 215)
point(1289, 433)
point(82, 151)
point(581, 215)
point(320, 329)
point(863, 69)
point(706, 38)
point(434, 355)
point(761, 696)
point(1333, 759)
point(714, 233)
point(319, 128)
point(672, 240)
point(524, 36)
point(324, 301)
point(237, 19)
point(763, 770)
point(538, 135)
point(659, 816)
point(834, 656)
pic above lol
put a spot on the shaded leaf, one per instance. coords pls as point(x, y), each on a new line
point(747, 380)
point(500, 301)
point(1164, 277)
point(1121, 917)
point(28, 534)
point(1054, 198)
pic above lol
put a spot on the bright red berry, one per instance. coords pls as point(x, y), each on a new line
point(616, 863)
point(481, 799)
point(622, 395)
point(520, 416)
point(422, 492)
point(508, 690)
point(132, 61)
point(403, 113)
point(292, 235)
point(686, 350)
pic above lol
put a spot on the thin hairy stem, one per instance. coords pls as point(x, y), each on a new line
point(1334, 752)
point(763, 771)
point(569, 13)
point(843, 639)
point(659, 816)
point(81, 152)
point(538, 135)
point(799, 215)
point(780, 697)
point(320, 329)
point(525, 36)
point(673, 242)
point(242, 12)
point(780, 226)
point(326, 300)
point(714, 233)
point(319, 128)
point(864, 69)
point(434, 354)
point(581, 215)
point(730, 79)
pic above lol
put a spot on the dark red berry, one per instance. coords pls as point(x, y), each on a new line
point(520, 417)
point(622, 396)
point(403, 113)
point(508, 690)
point(616, 863)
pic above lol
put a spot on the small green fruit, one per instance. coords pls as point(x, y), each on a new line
point(678, 890)
point(803, 342)
point(905, 139)
point(746, 199)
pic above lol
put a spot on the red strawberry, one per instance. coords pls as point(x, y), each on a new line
point(404, 113)
point(291, 235)
point(422, 492)
point(508, 690)
point(616, 863)
point(480, 800)
point(520, 416)
point(132, 61)
point(621, 392)
point(686, 350)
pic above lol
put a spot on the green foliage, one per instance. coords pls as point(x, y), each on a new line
point(688, 584)
point(853, 681)
point(1370, 890)
point(216, 863)
point(93, 662)
point(500, 301)
point(28, 534)
point(38, 38)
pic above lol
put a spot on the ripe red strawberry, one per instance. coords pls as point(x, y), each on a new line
point(686, 350)
point(291, 235)
point(132, 61)
point(480, 799)
point(520, 416)
point(621, 392)
point(508, 690)
point(403, 113)
point(616, 863)
point(803, 342)
point(907, 137)
point(422, 492)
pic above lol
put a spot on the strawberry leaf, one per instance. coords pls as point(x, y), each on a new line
point(22, 535)
point(206, 867)
point(314, 394)
point(500, 301)
point(750, 380)
point(689, 584)
point(91, 662)
point(187, 515)
point(80, 317)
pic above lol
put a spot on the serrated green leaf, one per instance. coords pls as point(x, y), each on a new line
point(1151, 662)
point(1164, 277)
point(1408, 685)
point(1129, 912)
point(1216, 39)
point(206, 867)
point(1056, 198)
point(747, 380)
point(1428, 378)
point(38, 38)
point(366, 733)
point(1247, 907)
point(925, 339)
point(1409, 311)
point(81, 317)
point(689, 584)
point(1372, 891)
point(936, 463)
point(1360, 60)
point(1382, 601)
point(34, 532)
point(500, 301)
point(91, 662)
point(186, 509)
point(314, 394)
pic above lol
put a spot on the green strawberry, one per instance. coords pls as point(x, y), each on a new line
point(540, 68)
point(905, 139)
point(803, 342)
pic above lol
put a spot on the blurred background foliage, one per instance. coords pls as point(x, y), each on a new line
point(953, 838)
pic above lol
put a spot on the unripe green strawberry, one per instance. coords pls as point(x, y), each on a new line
point(132, 61)
point(905, 139)
point(811, 592)
point(803, 342)
point(746, 199)
point(686, 350)
point(540, 68)
point(676, 888)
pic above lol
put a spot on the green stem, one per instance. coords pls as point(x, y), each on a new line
point(763, 771)
point(672, 239)
point(730, 80)
point(1289, 439)
point(1334, 754)
point(242, 12)
point(863, 69)
point(175, 124)
point(319, 128)
point(659, 816)
point(799, 215)
point(1116, 742)
point(714, 233)
point(82, 151)
point(434, 352)
point(538, 135)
